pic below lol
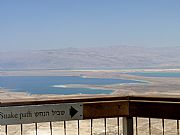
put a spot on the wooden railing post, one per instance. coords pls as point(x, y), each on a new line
point(127, 125)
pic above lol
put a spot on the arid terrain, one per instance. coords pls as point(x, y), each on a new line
point(114, 57)
point(98, 127)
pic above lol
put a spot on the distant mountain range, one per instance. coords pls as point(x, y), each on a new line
point(115, 57)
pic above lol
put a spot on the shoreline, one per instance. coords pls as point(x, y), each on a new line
point(55, 72)
point(83, 86)
point(148, 85)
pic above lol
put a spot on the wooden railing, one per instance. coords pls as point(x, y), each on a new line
point(103, 106)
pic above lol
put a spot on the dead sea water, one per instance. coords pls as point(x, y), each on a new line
point(57, 84)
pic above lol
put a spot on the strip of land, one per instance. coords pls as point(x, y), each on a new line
point(156, 85)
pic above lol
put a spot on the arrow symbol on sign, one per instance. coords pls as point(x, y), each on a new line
point(72, 111)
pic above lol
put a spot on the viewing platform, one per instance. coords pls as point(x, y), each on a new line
point(124, 111)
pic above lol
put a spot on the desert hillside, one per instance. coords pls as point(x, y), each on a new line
point(92, 58)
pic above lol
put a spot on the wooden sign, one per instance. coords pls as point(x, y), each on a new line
point(40, 113)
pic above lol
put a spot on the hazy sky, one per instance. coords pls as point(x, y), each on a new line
point(52, 24)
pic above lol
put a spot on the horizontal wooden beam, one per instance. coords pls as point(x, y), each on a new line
point(113, 106)
point(57, 100)
point(154, 110)
point(165, 98)
point(105, 109)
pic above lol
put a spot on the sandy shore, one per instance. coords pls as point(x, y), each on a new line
point(78, 72)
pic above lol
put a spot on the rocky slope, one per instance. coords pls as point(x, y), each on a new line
point(92, 58)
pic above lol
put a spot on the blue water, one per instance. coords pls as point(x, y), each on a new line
point(157, 74)
point(44, 84)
